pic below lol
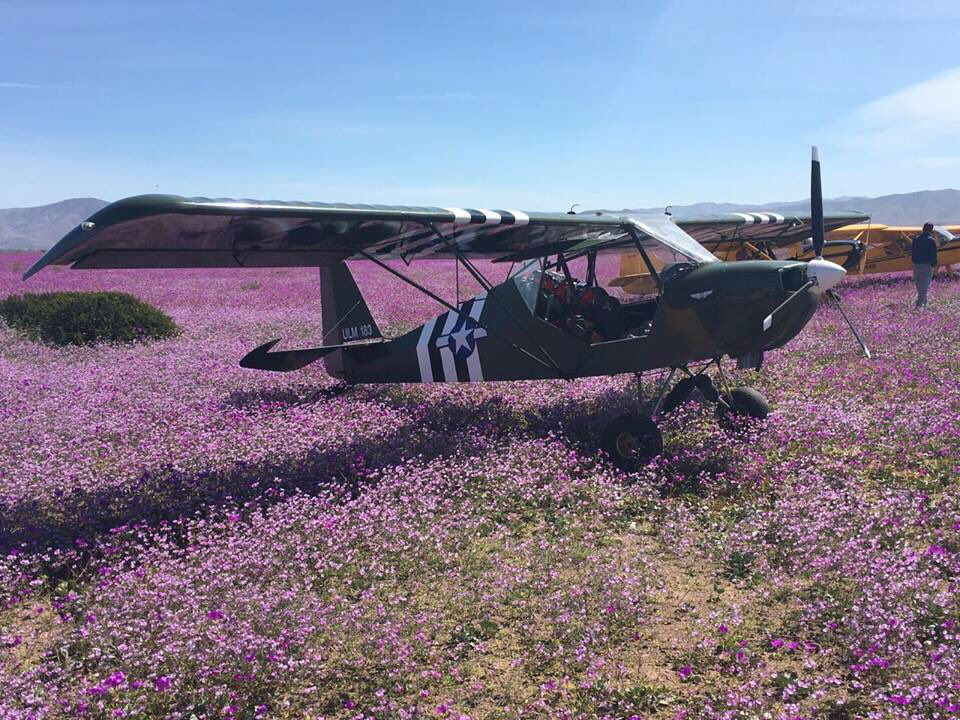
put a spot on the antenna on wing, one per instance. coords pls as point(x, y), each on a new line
point(571, 211)
point(666, 210)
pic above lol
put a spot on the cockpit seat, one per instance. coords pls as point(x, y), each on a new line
point(604, 311)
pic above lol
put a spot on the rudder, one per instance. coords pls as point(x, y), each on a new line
point(344, 313)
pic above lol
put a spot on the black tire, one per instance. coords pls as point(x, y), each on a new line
point(632, 441)
point(744, 402)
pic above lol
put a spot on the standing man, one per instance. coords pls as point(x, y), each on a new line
point(923, 251)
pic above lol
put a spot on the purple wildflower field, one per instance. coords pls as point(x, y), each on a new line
point(182, 538)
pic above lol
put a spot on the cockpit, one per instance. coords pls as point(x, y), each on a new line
point(580, 293)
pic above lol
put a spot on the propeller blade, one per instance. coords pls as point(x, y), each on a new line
point(863, 345)
point(768, 320)
point(816, 204)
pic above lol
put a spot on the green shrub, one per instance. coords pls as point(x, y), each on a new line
point(85, 318)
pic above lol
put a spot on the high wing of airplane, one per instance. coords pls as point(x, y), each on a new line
point(168, 231)
point(540, 323)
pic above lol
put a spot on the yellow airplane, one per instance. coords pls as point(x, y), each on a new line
point(888, 246)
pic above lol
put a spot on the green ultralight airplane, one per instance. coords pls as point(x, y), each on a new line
point(539, 323)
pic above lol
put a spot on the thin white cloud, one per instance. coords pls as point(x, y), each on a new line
point(28, 86)
point(919, 115)
point(869, 10)
point(444, 97)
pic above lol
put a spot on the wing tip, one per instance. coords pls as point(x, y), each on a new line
point(39, 265)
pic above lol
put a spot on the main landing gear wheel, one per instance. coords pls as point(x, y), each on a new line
point(632, 441)
point(743, 402)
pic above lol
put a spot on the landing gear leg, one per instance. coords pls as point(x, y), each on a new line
point(685, 386)
point(730, 403)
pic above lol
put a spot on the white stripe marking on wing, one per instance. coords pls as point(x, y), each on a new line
point(520, 217)
point(460, 216)
point(491, 218)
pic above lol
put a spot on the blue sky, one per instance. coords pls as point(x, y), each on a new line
point(501, 104)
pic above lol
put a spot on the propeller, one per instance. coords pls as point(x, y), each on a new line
point(822, 275)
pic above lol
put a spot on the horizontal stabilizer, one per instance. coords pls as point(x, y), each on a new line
point(260, 358)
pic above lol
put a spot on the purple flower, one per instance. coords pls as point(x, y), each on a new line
point(116, 679)
point(162, 683)
point(685, 672)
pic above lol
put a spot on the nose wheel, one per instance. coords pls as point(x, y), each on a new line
point(742, 402)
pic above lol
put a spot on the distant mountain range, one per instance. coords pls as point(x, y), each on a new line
point(38, 228)
point(941, 207)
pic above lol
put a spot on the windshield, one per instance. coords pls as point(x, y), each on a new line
point(945, 235)
point(527, 277)
point(669, 243)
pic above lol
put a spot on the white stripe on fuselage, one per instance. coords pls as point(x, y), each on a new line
point(446, 357)
point(474, 369)
point(423, 352)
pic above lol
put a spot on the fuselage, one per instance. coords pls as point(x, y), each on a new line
point(704, 312)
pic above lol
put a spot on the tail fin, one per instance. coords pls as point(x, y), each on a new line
point(345, 314)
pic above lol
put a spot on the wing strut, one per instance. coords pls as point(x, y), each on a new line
point(437, 298)
point(643, 253)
